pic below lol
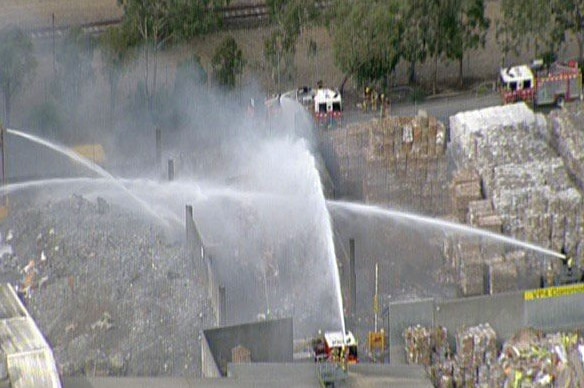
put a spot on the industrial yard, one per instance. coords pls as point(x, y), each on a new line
point(207, 236)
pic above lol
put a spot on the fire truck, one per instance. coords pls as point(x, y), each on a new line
point(541, 85)
point(332, 345)
point(328, 107)
point(325, 105)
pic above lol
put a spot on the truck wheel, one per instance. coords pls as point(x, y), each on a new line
point(560, 101)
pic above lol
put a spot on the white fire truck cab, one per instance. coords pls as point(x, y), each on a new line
point(328, 107)
point(333, 345)
point(541, 85)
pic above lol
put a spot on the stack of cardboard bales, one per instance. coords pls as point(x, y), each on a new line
point(568, 136)
point(466, 188)
point(425, 346)
point(528, 184)
point(395, 161)
point(482, 215)
point(240, 354)
point(472, 278)
point(502, 275)
point(476, 354)
point(418, 345)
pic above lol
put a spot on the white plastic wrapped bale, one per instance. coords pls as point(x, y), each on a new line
point(466, 126)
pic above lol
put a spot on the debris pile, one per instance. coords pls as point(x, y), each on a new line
point(111, 294)
point(529, 359)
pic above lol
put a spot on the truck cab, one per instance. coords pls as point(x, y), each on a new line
point(328, 107)
point(332, 344)
point(517, 83)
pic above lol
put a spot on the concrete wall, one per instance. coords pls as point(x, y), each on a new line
point(199, 254)
point(209, 368)
point(268, 341)
point(506, 313)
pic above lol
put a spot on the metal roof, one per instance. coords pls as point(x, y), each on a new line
point(29, 359)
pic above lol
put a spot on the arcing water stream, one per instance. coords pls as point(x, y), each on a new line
point(444, 225)
point(290, 205)
point(87, 163)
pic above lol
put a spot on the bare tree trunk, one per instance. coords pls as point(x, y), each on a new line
point(580, 39)
point(435, 78)
point(412, 77)
point(460, 70)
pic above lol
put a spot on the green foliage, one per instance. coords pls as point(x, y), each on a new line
point(531, 24)
point(417, 36)
point(367, 38)
point(289, 17)
point(17, 64)
point(228, 62)
point(178, 20)
point(569, 17)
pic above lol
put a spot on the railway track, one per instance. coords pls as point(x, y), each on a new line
point(233, 17)
point(237, 16)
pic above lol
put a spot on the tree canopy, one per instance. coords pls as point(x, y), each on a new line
point(288, 17)
point(179, 20)
point(366, 38)
point(228, 62)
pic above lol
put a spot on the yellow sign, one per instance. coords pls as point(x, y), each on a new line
point(377, 341)
point(554, 292)
point(93, 152)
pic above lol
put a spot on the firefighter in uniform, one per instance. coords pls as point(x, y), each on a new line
point(343, 357)
point(366, 99)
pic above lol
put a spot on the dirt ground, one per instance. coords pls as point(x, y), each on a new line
point(39, 13)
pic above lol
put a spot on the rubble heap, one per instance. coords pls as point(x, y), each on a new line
point(109, 290)
point(552, 360)
point(395, 161)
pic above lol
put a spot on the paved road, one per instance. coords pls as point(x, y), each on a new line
point(442, 108)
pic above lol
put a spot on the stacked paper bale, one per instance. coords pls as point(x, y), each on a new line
point(472, 280)
point(418, 345)
point(397, 161)
point(240, 354)
point(466, 188)
point(406, 165)
point(476, 353)
point(568, 137)
point(482, 215)
point(426, 346)
point(528, 184)
point(502, 275)
point(440, 346)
